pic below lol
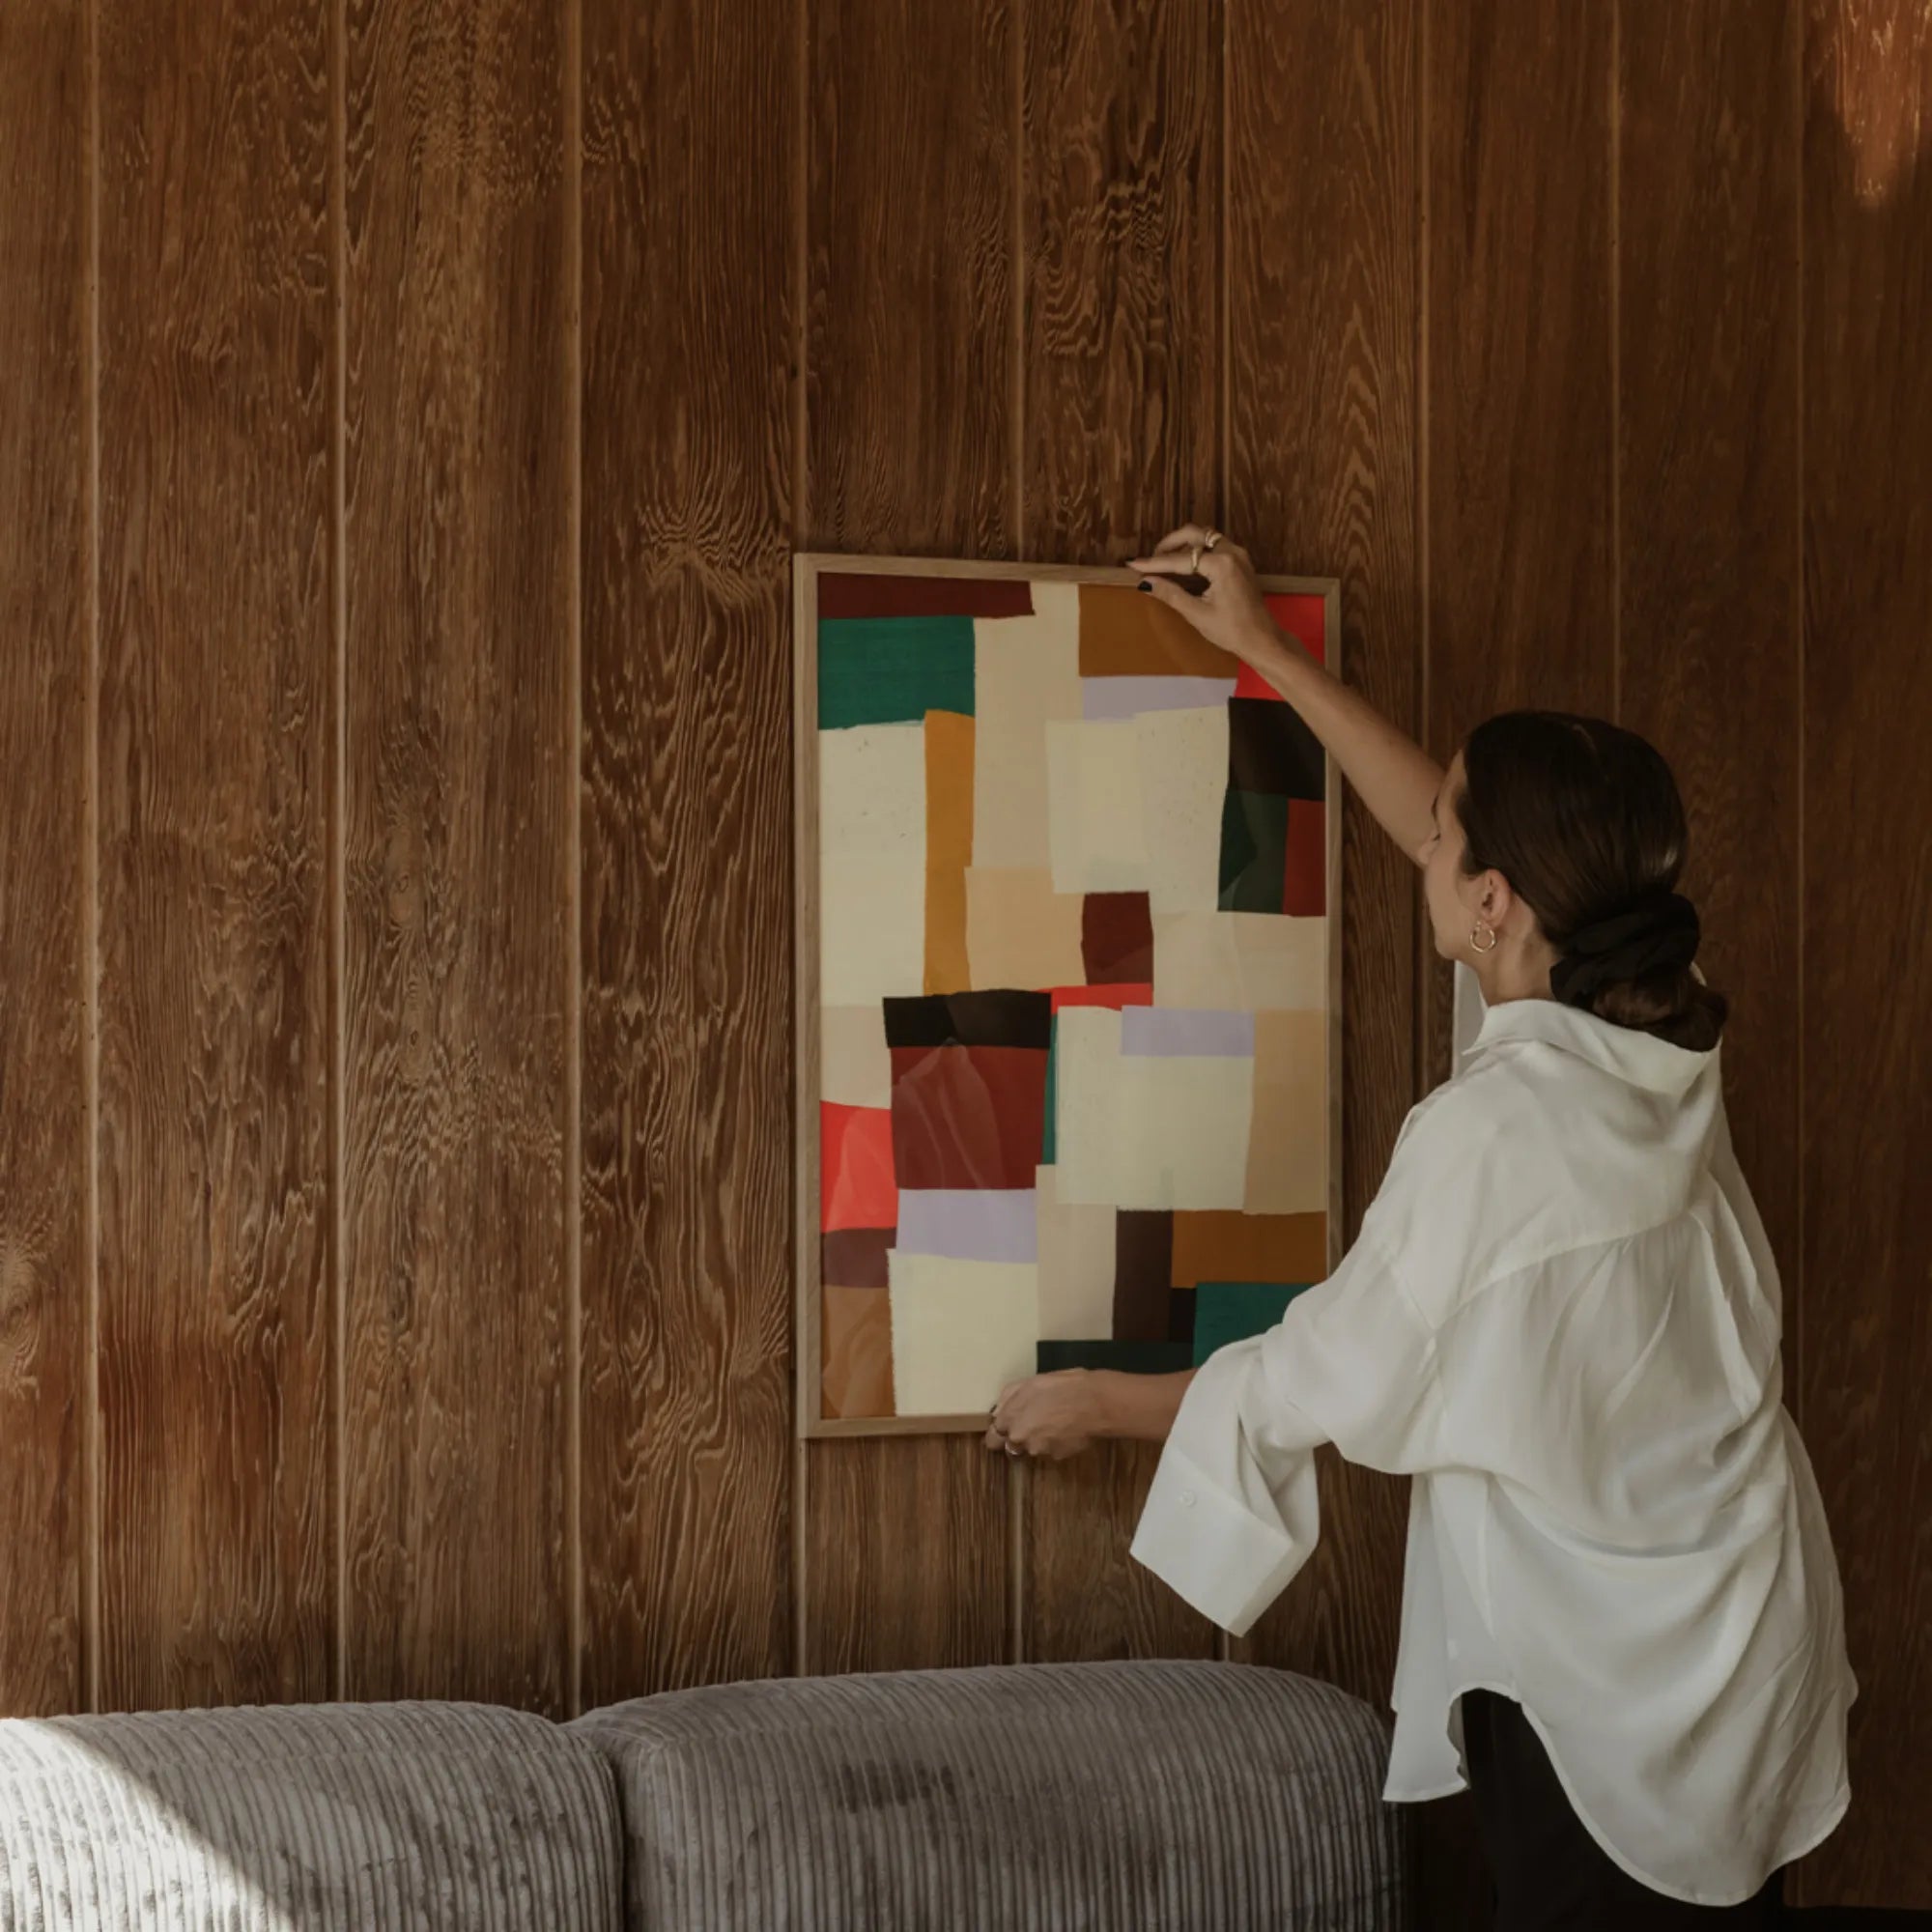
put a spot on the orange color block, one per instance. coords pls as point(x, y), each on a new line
point(856, 1352)
point(949, 849)
point(1125, 993)
point(1249, 1247)
point(1128, 634)
point(857, 1184)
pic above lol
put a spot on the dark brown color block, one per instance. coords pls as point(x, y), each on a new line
point(854, 1256)
point(1143, 1267)
point(1117, 938)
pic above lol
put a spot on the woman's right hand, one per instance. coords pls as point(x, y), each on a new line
point(1230, 613)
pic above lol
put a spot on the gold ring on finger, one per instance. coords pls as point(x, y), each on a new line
point(1194, 565)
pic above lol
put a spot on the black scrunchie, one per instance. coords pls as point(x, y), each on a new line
point(1660, 930)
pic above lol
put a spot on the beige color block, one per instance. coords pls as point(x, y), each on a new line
point(855, 1065)
point(1241, 962)
point(1183, 783)
point(1026, 674)
point(961, 1332)
point(1094, 803)
point(871, 874)
point(1288, 1151)
point(1020, 933)
point(1149, 1132)
point(871, 911)
point(1076, 1265)
point(872, 790)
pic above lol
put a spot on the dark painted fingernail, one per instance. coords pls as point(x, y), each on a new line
point(1144, 584)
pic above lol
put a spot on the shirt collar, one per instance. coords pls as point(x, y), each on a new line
point(1640, 1058)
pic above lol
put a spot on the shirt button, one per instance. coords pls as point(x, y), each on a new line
point(1187, 1499)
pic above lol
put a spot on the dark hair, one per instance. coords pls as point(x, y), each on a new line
point(1584, 820)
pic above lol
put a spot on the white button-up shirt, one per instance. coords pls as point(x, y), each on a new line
point(1562, 1319)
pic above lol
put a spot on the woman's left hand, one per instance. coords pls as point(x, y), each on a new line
point(1053, 1415)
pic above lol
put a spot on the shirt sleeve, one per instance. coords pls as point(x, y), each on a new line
point(1233, 1513)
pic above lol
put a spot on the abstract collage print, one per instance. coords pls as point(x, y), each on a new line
point(1073, 1027)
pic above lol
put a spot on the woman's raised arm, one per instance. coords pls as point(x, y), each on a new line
point(1396, 777)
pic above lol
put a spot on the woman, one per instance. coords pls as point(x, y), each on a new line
point(1621, 1619)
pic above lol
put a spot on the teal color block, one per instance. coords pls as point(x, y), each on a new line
point(1232, 1311)
point(1049, 1138)
point(893, 670)
point(1132, 1358)
point(1254, 852)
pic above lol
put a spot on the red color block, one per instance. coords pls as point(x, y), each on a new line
point(968, 1117)
point(1305, 889)
point(857, 1187)
point(854, 594)
point(1304, 619)
point(1127, 994)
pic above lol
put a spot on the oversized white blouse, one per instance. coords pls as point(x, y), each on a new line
point(1561, 1317)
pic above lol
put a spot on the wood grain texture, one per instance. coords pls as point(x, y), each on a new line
point(457, 861)
point(688, 179)
point(45, 653)
point(1521, 607)
point(1865, 909)
point(1120, 130)
point(1322, 400)
point(1707, 429)
point(1120, 206)
point(215, 1336)
point(910, 341)
point(906, 1555)
point(910, 445)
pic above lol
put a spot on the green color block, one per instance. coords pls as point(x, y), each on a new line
point(893, 670)
point(1132, 1358)
point(1049, 1138)
point(1232, 1311)
point(1254, 852)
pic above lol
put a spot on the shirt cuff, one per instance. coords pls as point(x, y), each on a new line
point(1208, 1548)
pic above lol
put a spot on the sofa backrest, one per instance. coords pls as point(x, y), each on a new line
point(1107, 1796)
point(406, 1815)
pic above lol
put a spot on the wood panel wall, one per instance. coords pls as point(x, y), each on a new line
point(415, 406)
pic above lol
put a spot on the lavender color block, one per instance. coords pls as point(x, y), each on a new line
point(1129, 697)
point(1172, 1032)
point(970, 1225)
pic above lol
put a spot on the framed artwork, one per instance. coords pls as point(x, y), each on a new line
point(1068, 977)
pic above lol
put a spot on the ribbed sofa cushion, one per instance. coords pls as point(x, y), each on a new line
point(1117, 1796)
point(354, 1815)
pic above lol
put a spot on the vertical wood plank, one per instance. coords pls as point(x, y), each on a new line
point(1327, 421)
point(214, 1338)
point(457, 861)
point(1707, 584)
point(45, 657)
point(1521, 606)
point(1864, 911)
point(1121, 184)
point(1322, 305)
point(689, 329)
point(911, 447)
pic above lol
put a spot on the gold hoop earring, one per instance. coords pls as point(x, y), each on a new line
point(1475, 934)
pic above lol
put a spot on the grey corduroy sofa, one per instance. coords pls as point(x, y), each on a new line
point(1109, 1795)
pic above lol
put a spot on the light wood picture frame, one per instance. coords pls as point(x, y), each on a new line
point(810, 572)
